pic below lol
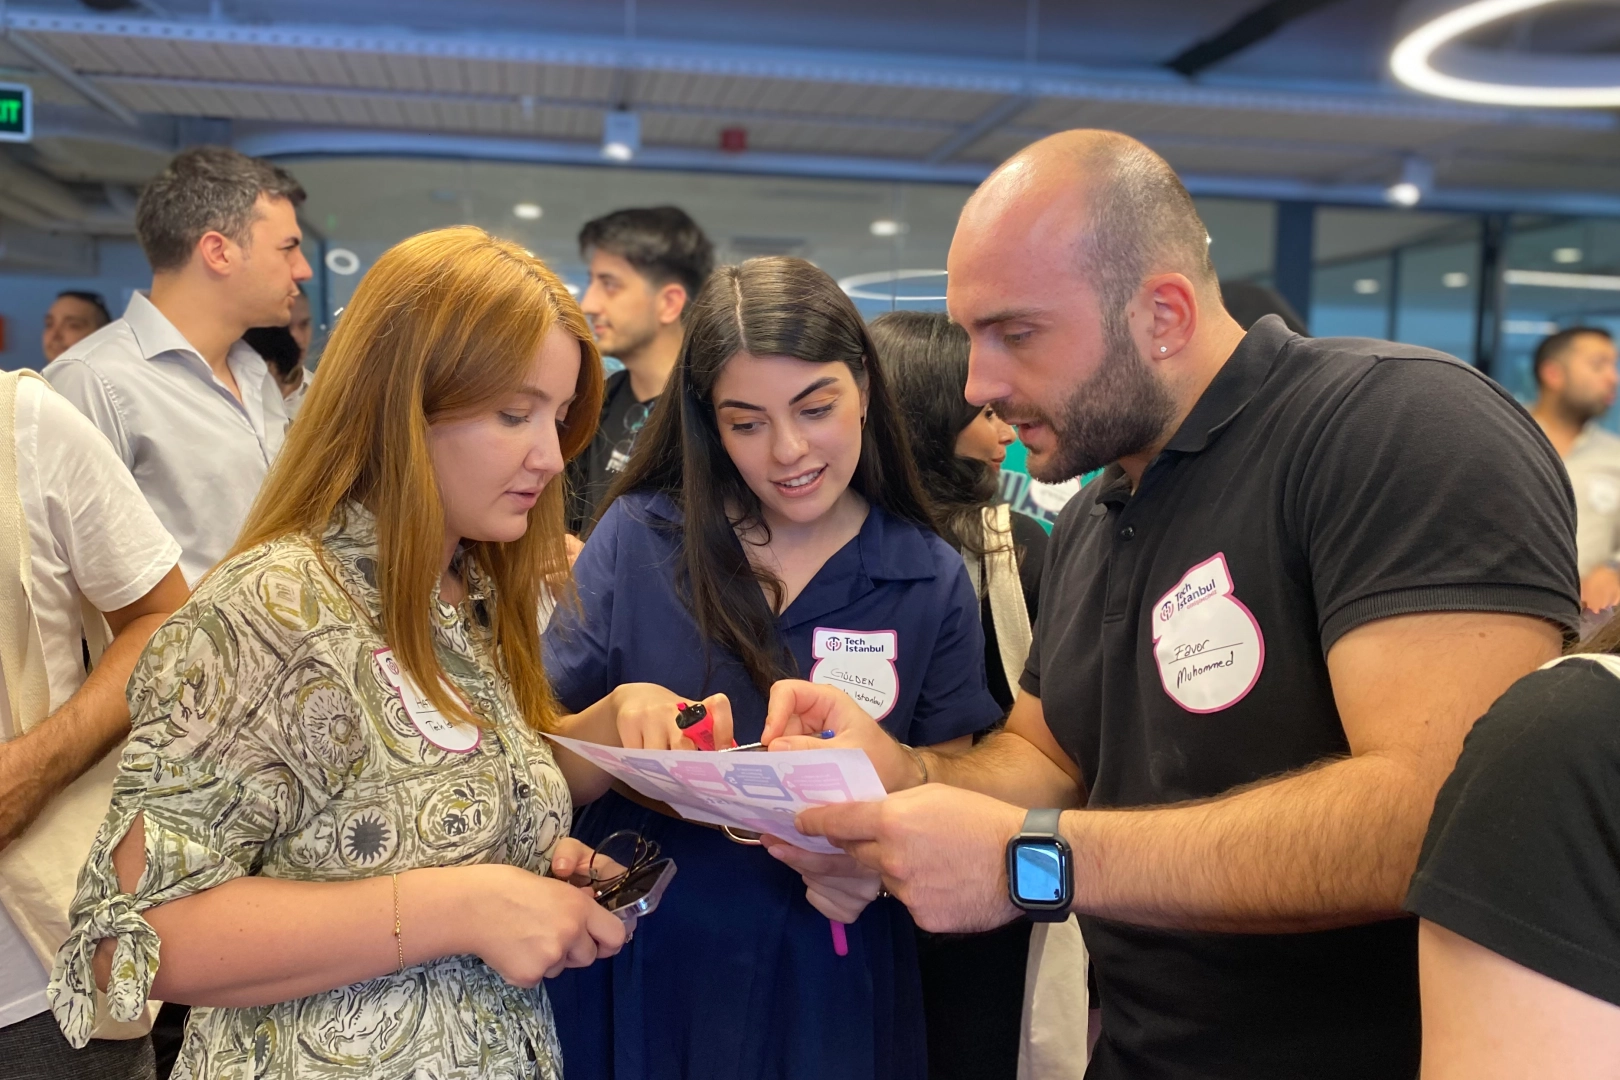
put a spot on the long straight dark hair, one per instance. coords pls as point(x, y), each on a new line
point(927, 360)
point(774, 306)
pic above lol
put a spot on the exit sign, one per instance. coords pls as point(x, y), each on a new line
point(16, 113)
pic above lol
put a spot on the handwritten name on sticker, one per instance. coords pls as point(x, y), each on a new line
point(455, 736)
point(1207, 643)
point(861, 664)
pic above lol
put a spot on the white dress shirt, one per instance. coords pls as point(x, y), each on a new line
point(197, 453)
point(89, 533)
point(1594, 474)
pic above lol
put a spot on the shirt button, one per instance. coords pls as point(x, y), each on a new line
point(1128, 532)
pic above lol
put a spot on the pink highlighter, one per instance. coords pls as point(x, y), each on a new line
point(696, 724)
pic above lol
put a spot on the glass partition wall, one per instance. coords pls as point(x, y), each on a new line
point(1485, 288)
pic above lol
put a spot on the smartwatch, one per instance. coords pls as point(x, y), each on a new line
point(1040, 868)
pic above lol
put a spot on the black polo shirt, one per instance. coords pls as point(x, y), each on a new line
point(1181, 651)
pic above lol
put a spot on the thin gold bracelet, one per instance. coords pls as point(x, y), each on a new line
point(399, 942)
point(916, 755)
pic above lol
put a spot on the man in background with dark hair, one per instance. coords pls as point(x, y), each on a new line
point(1576, 382)
point(193, 411)
point(72, 317)
point(646, 265)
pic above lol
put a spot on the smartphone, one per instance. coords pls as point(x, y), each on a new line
point(639, 895)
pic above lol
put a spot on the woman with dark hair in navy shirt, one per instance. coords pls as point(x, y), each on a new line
point(770, 497)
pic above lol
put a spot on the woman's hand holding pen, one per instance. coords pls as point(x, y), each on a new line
point(645, 716)
point(836, 885)
point(799, 713)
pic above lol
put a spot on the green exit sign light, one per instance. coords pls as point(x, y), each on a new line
point(16, 113)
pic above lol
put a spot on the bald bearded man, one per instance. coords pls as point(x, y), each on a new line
point(1264, 632)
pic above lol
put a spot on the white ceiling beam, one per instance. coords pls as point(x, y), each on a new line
point(529, 101)
point(294, 141)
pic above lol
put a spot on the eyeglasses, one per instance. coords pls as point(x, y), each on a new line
point(627, 875)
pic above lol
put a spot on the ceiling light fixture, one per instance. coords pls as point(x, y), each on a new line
point(1566, 255)
point(621, 135)
point(1491, 77)
point(1553, 279)
point(1454, 280)
point(858, 286)
point(1365, 286)
point(1417, 179)
point(1538, 327)
point(528, 211)
point(887, 227)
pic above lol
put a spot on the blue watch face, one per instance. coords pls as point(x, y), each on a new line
point(1038, 869)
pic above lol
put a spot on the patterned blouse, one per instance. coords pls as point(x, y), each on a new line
point(269, 740)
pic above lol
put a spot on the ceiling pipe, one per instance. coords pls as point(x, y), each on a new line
point(65, 74)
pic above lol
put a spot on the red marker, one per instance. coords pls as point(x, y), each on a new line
point(696, 724)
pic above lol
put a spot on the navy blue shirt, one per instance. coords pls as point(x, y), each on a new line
point(891, 618)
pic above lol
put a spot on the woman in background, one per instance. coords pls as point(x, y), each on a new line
point(769, 520)
point(959, 449)
point(974, 985)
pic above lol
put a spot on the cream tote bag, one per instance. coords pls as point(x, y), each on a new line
point(39, 870)
point(1052, 1043)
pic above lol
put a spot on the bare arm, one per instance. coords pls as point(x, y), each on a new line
point(586, 782)
point(258, 941)
point(1337, 844)
point(1334, 845)
point(1487, 1018)
point(35, 767)
point(1021, 764)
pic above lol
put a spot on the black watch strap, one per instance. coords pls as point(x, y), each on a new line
point(1042, 823)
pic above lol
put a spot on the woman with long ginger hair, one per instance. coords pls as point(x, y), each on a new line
point(335, 811)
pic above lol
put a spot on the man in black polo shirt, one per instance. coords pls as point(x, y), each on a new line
point(1264, 632)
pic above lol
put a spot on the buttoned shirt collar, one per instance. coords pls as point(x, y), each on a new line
point(156, 337)
point(885, 549)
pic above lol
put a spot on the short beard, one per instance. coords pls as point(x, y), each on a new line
point(1584, 410)
point(1121, 410)
point(631, 346)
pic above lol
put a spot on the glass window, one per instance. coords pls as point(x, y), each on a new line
point(1403, 275)
point(1557, 273)
point(1351, 298)
point(1436, 292)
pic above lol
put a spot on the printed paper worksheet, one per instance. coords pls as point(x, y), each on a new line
point(751, 790)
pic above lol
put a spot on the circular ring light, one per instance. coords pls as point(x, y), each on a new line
point(342, 261)
point(855, 284)
point(1490, 78)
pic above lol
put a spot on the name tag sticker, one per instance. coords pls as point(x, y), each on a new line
point(1207, 643)
point(861, 664)
point(455, 736)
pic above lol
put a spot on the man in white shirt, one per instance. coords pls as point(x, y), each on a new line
point(193, 411)
point(72, 515)
point(1577, 379)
